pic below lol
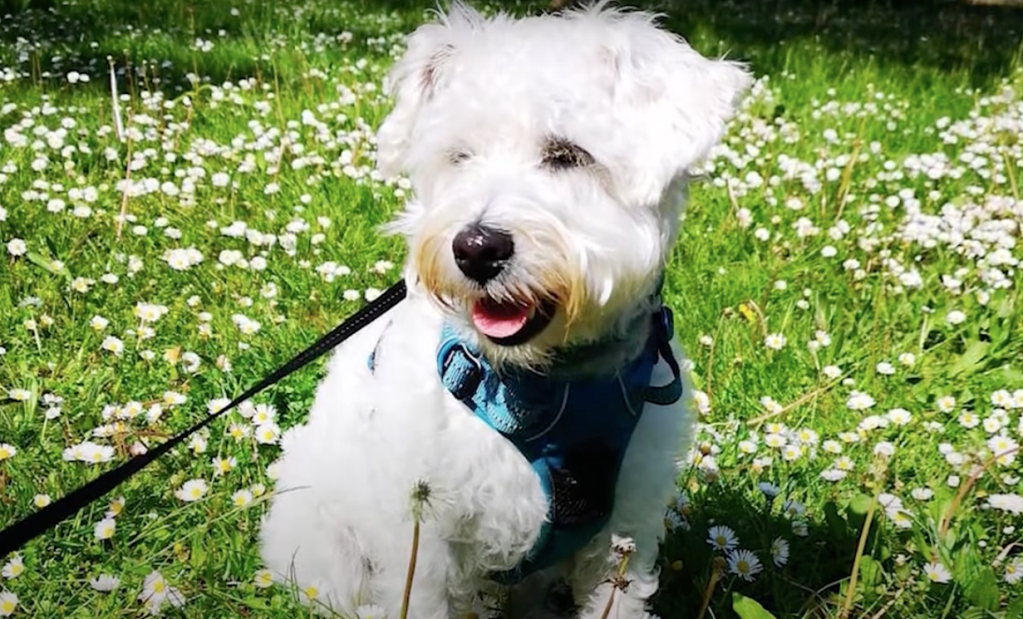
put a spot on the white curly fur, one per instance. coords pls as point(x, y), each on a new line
point(476, 100)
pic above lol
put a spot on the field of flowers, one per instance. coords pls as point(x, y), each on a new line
point(848, 274)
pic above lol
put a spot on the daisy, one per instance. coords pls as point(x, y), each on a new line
point(832, 446)
point(936, 572)
point(263, 579)
point(1009, 503)
point(16, 247)
point(41, 500)
point(268, 433)
point(770, 490)
point(946, 403)
point(264, 413)
point(115, 509)
point(241, 498)
point(112, 344)
point(722, 538)
point(104, 583)
point(309, 594)
point(153, 587)
point(793, 508)
point(922, 494)
point(1014, 571)
point(968, 419)
point(7, 451)
point(899, 416)
point(775, 341)
point(859, 401)
point(673, 521)
point(780, 551)
point(105, 529)
point(370, 611)
point(1004, 449)
point(192, 490)
point(833, 475)
point(791, 453)
point(745, 564)
point(8, 602)
point(223, 465)
point(13, 568)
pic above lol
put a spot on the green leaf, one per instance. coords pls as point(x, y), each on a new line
point(974, 613)
point(748, 608)
point(860, 504)
point(971, 360)
point(40, 261)
point(984, 590)
point(870, 572)
point(1015, 609)
point(836, 523)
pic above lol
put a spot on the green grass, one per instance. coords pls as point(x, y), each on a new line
point(821, 64)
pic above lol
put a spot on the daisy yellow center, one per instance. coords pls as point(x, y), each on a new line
point(742, 567)
point(721, 540)
point(196, 492)
point(934, 574)
point(8, 606)
point(17, 569)
point(4, 453)
point(158, 586)
point(311, 592)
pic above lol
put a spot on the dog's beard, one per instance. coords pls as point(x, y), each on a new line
point(521, 317)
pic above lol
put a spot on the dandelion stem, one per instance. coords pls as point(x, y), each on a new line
point(798, 402)
point(411, 570)
point(717, 570)
point(127, 187)
point(860, 547)
point(617, 584)
point(946, 518)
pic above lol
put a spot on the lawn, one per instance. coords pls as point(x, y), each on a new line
point(846, 286)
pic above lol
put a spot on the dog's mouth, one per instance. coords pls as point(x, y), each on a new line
point(511, 323)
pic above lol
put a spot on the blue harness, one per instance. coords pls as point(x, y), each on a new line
point(574, 434)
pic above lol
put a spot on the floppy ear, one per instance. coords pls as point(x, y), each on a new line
point(679, 101)
point(416, 78)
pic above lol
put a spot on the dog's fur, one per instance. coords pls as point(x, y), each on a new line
point(480, 102)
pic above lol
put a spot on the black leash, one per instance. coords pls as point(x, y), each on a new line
point(31, 527)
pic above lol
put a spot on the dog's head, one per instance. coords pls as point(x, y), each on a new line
point(548, 157)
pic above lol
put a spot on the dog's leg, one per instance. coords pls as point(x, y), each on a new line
point(646, 484)
point(594, 577)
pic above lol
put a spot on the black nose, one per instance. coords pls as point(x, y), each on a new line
point(481, 252)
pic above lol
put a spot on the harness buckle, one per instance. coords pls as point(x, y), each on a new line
point(462, 372)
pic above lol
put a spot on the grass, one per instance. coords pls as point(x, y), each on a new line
point(874, 129)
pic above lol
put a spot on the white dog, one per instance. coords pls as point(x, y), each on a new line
point(523, 403)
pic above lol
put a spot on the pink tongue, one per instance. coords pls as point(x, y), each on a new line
point(499, 320)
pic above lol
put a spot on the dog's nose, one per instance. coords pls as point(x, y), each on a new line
point(481, 252)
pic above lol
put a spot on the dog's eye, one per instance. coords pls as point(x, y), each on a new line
point(457, 157)
point(560, 154)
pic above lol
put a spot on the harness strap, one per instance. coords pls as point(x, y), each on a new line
point(664, 395)
point(576, 467)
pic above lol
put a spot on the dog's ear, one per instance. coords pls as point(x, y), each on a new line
point(679, 101)
point(416, 78)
